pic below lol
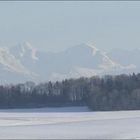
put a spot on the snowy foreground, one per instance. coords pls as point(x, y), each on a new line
point(70, 122)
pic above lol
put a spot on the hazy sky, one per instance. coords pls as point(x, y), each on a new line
point(54, 26)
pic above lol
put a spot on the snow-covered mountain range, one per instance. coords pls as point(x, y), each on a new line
point(23, 62)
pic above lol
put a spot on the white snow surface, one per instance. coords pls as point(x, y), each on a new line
point(68, 122)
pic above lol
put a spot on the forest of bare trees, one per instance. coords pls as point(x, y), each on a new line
point(121, 92)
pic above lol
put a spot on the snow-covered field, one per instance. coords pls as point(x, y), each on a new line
point(69, 122)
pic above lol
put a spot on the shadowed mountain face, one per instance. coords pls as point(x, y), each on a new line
point(23, 62)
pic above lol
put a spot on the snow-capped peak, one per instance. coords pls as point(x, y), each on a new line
point(9, 61)
point(93, 48)
point(28, 47)
point(24, 50)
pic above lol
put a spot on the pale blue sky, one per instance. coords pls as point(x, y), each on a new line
point(54, 26)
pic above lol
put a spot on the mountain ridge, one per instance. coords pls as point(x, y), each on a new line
point(83, 60)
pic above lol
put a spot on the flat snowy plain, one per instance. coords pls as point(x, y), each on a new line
point(68, 122)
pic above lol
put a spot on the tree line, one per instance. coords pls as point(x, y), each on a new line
point(120, 92)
